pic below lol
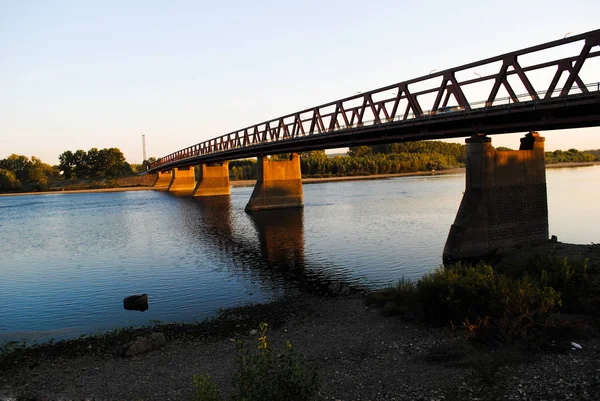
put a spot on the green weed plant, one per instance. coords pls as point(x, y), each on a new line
point(264, 375)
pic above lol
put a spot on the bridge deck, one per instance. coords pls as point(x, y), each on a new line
point(396, 113)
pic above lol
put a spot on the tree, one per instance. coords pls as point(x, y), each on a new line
point(67, 164)
point(112, 163)
point(359, 151)
point(104, 163)
point(138, 168)
point(82, 169)
point(281, 157)
point(8, 180)
point(146, 163)
point(245, 169)
point(314, 154)
point(92, 160)
point(40, 173)
point(18, 164)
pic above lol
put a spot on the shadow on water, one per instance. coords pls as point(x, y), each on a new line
point(270, 248)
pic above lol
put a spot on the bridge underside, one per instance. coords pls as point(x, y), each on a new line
point(575, 112)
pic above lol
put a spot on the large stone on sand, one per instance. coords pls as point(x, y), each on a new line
point(143, 345)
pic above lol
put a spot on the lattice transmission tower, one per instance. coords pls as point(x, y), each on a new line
point(144, 147)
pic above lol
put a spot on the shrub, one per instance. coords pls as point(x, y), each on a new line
point(459, 292)
point(577, 283)
point(398, 300)
point(264, 375)
point(486, 304)
point(205, 389)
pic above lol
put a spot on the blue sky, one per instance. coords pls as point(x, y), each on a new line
point(82, 74)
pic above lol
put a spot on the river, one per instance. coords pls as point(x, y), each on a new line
point(67, 260)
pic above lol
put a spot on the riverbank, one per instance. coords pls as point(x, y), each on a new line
point(82, 191)
point(358, 353)
point(249, 183)
point(460, 170)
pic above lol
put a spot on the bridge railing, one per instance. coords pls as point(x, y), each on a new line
point(404, 101)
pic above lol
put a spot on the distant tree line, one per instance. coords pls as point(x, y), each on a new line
point(393, 158)
point(572, 156)
point(103, 163)
point(245, 169)
point(19, 173)
point(17, 170)
point(367, 160)
point(569, 156)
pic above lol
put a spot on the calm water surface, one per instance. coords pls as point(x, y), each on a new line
point(67, 260)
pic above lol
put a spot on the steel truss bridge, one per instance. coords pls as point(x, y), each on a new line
point(434, 106)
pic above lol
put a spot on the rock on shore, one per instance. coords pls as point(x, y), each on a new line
point(142, 345)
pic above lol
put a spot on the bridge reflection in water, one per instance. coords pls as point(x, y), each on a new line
point(269, 250)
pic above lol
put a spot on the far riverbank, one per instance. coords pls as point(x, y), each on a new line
point(248, 183)
point(460, 170)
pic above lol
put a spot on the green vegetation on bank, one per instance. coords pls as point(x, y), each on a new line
point(393, 158)
point(103, 163)
point(369, 160)
point(20, 174)
point(572, 156)
point(503, 305)
point(17, 170)
point(264, 374)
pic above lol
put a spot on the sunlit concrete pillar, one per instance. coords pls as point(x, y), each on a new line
point(505, 201)
point(278, 185)
point(163, 180)
point(213, 180)
point(184, 181)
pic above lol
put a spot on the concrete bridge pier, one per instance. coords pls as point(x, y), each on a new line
point(505, 201)
point(163, 180)
point(184, 181)
point(278, 185)
point(213, 180)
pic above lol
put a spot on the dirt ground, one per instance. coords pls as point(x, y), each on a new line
point(358, 353)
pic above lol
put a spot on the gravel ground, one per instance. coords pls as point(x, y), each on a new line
point(359, 354)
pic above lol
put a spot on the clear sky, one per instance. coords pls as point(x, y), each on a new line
point(82, 74)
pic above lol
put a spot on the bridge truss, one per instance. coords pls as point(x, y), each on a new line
point(432, 106)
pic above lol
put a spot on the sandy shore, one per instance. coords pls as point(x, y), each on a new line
point(82, 191)
point(248, 183)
